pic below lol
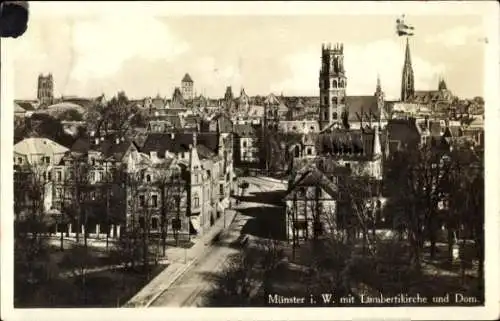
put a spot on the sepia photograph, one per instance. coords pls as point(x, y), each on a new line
point(251, 156)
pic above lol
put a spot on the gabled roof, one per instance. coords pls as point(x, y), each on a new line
point(361, 105)
point(271, 99)
point(110, 148)
point(158, 103)
point(37, 145)
point(204, 152)
point(172, 142)
point(354, 144)
point(403, 130)
point(18, 109)
point(225, 124)
point(28, 106)
point(81, 145)
point(187, 78)
point(313, 178)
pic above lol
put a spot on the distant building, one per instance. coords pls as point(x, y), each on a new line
point(246, 150)
point(45, 89)
point(187, 89)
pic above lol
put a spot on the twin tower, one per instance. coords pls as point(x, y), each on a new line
point(332, 86)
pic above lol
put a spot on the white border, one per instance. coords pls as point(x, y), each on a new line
point(489, 10)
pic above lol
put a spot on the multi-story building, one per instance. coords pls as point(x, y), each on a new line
point(187, 89)
point(246, 151)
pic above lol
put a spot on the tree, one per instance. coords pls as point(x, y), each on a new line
point(274, 148)
point(78, 190)
point(245, 273)
point(33, 266)
point(70, 115)
point(465, 204)
point(43, 125)
point(171, 187)
point(136, 244)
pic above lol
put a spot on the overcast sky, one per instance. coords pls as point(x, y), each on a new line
point(146, 55)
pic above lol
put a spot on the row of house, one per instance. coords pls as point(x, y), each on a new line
point(177, 181)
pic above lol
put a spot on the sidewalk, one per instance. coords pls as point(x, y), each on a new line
point(179, 262)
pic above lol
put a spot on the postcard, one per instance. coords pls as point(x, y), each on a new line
point(249, 160)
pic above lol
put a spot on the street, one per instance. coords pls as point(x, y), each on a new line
point(188, 289)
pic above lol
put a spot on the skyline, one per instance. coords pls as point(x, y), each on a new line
point(279, 54)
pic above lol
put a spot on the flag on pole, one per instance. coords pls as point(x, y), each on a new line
point(403, 29)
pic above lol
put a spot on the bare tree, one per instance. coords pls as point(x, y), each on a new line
point(33, 264)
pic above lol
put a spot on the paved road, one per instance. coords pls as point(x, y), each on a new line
point(190, 288)
point(264, 184)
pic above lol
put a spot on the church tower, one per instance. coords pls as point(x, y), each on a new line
point(45, 90)
point(332, 85)
point(187, 87)
point(407, 81)
point(379, 96)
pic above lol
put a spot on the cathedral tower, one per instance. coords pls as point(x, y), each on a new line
point(407, 81)
point(379, 96)
point(332, 85)
point(45, 90)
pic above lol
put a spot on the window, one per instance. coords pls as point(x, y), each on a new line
point(244, 144)
point(334, 84)
point(141, 200)
point(46, 159)
point(297, 151)
point(326, 84)
point(154, 199)
point(334, 100)
point(148, 178)
point(93, 161)
point(325, 115)
point(309, 151)
point(325, 100)
point(196, 201)
point(334, 115)
point(154, 223)
point(141, 222)
point(20, 160)
point(348, 165)
point(221, 189)
point(59, 176)
point(49, 176)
